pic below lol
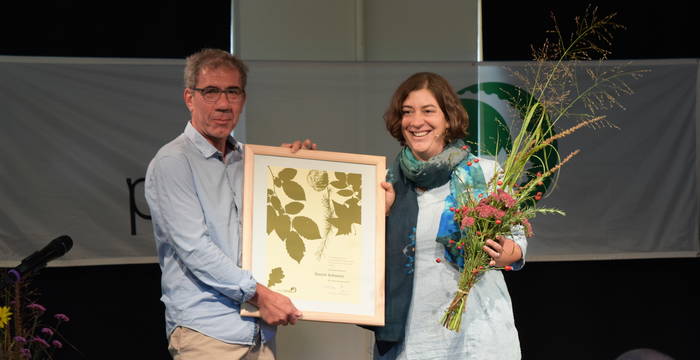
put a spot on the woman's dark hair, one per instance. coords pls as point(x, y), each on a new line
point(450, 105)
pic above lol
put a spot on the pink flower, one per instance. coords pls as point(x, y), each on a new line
point(507, 200)
point(26, 353)
point(498, 214)
point(47, 331)
point(485, 211)
point(37, 307)
point(62, 317)
point(20, 339)
point(40, 341)
point(57, 344)
point(467, 221)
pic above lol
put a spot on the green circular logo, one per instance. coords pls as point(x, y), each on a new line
point(490, 134)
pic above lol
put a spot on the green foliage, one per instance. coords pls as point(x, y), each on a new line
point(294, 208)
point(275, 277)
point(341, 180)
point(293, 190)
point(287, 219)
point(345, 192)
point(349, 212)
point(306, 227)
point(287, 174)
point(295, 246)
point(346, 215)
point(492, 135)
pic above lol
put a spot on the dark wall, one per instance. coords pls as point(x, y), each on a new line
point(564, 310)
point(654, 30)
point(125, 28)
point(599, 309)
point(115, 311)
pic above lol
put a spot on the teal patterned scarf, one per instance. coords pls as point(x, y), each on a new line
point(454, 164)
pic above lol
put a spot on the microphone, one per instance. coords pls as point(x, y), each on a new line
point(38, 260)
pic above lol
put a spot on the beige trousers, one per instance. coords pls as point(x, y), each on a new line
point(188, 344)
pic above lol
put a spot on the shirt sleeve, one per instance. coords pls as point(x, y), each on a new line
point(518, 236)
point(183, 223)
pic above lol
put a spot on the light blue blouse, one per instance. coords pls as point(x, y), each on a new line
point(488, 327)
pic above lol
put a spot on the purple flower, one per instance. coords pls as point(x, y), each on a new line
point(62, 317)
point(37, 307)
point(20, 339)
point(40, 341)
point(26, 353)
point(57, 344)
point(47, 331)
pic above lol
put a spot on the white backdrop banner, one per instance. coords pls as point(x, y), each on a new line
point(74, 131)
point(78, 135)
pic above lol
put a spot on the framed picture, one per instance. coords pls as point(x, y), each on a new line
point(313, 230)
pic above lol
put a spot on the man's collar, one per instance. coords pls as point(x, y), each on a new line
point(203, 145)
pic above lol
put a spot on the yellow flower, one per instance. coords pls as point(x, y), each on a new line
point(4, 316)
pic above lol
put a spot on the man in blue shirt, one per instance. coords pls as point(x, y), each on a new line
point(194, 191)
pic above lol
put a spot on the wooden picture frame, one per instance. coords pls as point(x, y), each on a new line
point(313, 230)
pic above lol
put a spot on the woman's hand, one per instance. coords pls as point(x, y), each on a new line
point(295, 146)
point(502, 250)
point(389, 196)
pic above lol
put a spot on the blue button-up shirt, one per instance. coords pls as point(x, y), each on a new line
point(194, 193)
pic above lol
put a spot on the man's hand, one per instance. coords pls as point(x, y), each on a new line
point(389, 196)
point(275, 308)
point(295, 146)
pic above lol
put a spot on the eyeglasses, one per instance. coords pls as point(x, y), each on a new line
point(212, 94)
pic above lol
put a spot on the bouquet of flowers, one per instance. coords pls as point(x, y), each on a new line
point(23, 332)
point(512, 196)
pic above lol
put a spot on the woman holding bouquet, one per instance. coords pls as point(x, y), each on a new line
point(426, 117)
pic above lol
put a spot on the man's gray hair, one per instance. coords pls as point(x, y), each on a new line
point(212, 59)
